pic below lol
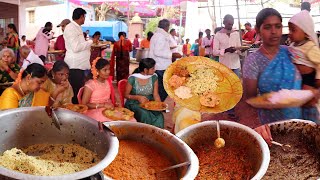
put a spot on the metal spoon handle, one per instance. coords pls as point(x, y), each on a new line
point(55, 119)
point(276, 143)
point(218, 129)
point(176, 166)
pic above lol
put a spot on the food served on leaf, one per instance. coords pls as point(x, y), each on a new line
point(139, 160)
point(154, 105)
point(183, 92)
point(118, 113)
point(50, 159)
point(281, 99)
point(200, 84)
point(80, 108)
point(209, 99)
point(176, 81)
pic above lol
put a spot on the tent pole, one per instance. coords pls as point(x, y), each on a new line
point(239, 21)
point(128, 14)
point(220, 13)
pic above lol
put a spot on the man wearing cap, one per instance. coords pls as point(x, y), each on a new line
point(59, 45)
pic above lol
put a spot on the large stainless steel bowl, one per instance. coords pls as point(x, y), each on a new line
point(232, 132)
point(310, 131)
point(27, 126)
point(170, 145)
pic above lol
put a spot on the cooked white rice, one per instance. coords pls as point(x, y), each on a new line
point(202, 80)
point(49, 159)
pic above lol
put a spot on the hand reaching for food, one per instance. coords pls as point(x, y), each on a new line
point(143, 99)
point(265, 132)
point(108, 106)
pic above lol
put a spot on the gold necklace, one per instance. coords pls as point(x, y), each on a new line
point(269, 55)
point(21, 89)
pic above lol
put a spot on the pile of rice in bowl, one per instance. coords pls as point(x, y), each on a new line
point(49, 159)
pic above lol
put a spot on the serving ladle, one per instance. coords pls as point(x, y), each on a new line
point(219, 142)
point(285, 147)
point(175, 166)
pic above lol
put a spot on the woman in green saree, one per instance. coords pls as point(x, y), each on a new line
point(142, 86)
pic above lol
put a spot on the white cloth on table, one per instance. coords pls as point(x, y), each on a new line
point(77, 48)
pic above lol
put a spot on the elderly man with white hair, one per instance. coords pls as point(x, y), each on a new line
point(28, 57)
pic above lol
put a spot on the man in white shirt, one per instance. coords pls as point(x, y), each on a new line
point(28, 57)
point(77, 51)
point(207, 43)
point(160, 51)
point(173, 41)
point(225, 42)
point(23, 41)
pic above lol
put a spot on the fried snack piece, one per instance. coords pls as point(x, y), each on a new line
point(176, 81)
point(183, 92)
point(209, 99)
point(181, 71)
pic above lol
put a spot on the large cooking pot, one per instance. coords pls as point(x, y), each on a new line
point(142, 53)
point(173, 147)
point(27, 126)
point(231, 131)
point(307, 132)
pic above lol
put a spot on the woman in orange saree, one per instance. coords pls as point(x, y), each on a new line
point(120, 57)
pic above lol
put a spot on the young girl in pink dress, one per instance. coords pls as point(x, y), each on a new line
point(98, 93)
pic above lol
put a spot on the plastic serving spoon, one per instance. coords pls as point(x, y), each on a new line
point(219, 142)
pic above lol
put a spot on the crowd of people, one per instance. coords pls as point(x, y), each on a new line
point(78, 77)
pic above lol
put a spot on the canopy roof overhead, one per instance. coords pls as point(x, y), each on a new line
point(34, 2)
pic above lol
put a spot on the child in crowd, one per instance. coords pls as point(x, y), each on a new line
point(186, 49)
point(98, 93)
point(305, 48)
point(58, 85)
point(195, 48)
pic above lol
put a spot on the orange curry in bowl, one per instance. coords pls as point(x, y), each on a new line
point(229, 162)
point(139, 160)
